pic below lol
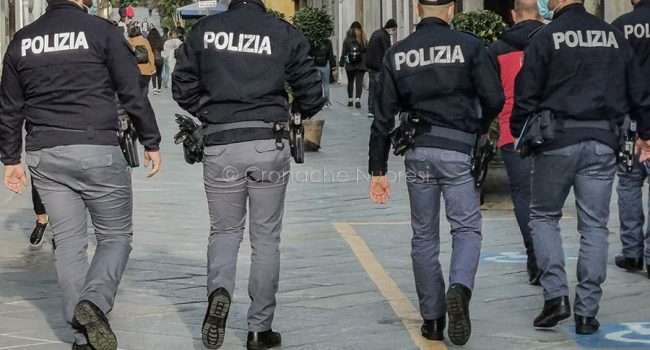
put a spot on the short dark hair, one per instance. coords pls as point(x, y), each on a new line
point(390, 24)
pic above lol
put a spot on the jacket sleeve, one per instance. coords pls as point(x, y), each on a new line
point(530, 84)
point(304, 80)
point(373, 61)
point(493, 53)
point(330, 54)
point(344, 53)
point(123, 67)
point(186, 81)
point(638, 91)
point(388, 105)
point(12, 101)
point(488, 88)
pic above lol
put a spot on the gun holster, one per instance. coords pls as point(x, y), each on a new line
point(191, 136)
point(541, 129)
point(296, 139)
point(627, 140)
point(482, 154)
point(127, 138)
point(402, 137)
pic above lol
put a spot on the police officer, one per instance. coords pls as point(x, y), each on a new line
point(581, 70)
point(444, 78)
point(636, 27)
point(60, 76)
point(231, 74)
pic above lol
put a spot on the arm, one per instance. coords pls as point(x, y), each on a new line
point(122, 67)
point(493, 53)
point(488, 88)
point(186, 82)
point(12, 101)
point(387, 106)
point(344, 53)
point(152, 57)
point(530, 84)
point(330, 55)
point(304, 80)
point(638, 92)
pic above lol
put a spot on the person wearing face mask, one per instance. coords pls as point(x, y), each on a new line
point(444, 79)
point(636, 241)
point(544, 10)
point(73, 151)
point(580, 74)
point(380, 41)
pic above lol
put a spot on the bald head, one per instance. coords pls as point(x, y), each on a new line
point(444, 12)
point(525, 10)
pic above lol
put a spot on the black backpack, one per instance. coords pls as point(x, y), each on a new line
point(354, 53)
point(141, 54)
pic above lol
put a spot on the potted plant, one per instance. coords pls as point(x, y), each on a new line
point(318, 27)
point(489, 26)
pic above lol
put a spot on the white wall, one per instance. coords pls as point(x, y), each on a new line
point(615, 8)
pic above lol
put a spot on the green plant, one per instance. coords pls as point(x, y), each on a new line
point(276, 13)
point(485, 24)
point(315, 23)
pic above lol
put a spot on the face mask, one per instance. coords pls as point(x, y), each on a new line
point(392, 33)
point(544, 10)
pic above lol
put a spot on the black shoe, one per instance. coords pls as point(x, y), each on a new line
point(460, 326)
point(586, 325)
point(263, 340)
point(81, 347)
point(94, 325)
point(36, 239)
point(214, 324)
point(350, 104)
point(555, 310)
point(434, 329)
point(629, 264)
point(358, 104)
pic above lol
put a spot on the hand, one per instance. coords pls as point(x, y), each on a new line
point(380, 189)
point(643, 150)
point(152, 158)
point(15, 178)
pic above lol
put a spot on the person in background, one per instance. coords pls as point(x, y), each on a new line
point(122, 11)
point(36, 238)
point(130, 12)
point(169, 54)
point(352, 58)
point(180, 32)
point(145, 27)
point(325, 63)
point(544, 11)
point(380, 42)
point(157, 45)
point(151, 5)
point(148, 66)
point(507, 54)
point(165, 34)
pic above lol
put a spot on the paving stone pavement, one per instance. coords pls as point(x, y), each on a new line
point(327, 299)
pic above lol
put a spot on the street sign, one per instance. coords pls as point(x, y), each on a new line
point(207, 3)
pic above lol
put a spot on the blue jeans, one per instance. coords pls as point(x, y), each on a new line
point(325, 75)
point(519, 174)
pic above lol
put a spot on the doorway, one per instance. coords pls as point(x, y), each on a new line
point(502, 7)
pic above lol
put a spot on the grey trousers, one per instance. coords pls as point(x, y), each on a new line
point(256, 173)
point(73, 181)
point(634, 235)
point(430, 173)
point(589, 168)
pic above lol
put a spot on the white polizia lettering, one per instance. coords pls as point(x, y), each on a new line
point(433, 55)
point(588, 38)
point(246, 43)
point(640, 30)
point(54, 43)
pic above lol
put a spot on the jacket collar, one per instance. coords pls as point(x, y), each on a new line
point(432, 22)
point(63, 4)
point(642, 3)
point(570, 8)
point(239, 3)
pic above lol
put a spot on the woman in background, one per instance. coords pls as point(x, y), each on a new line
point(352, 58)
point(157, 45)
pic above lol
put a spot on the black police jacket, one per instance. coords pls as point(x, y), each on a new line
point(580, 68)
point(233, 67)
point(636, 28)
point(378, 44)
point(440, 74)
point(60, 75)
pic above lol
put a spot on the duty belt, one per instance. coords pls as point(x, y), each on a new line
point(446, 138)
point(219, 134)
point(585, 124)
